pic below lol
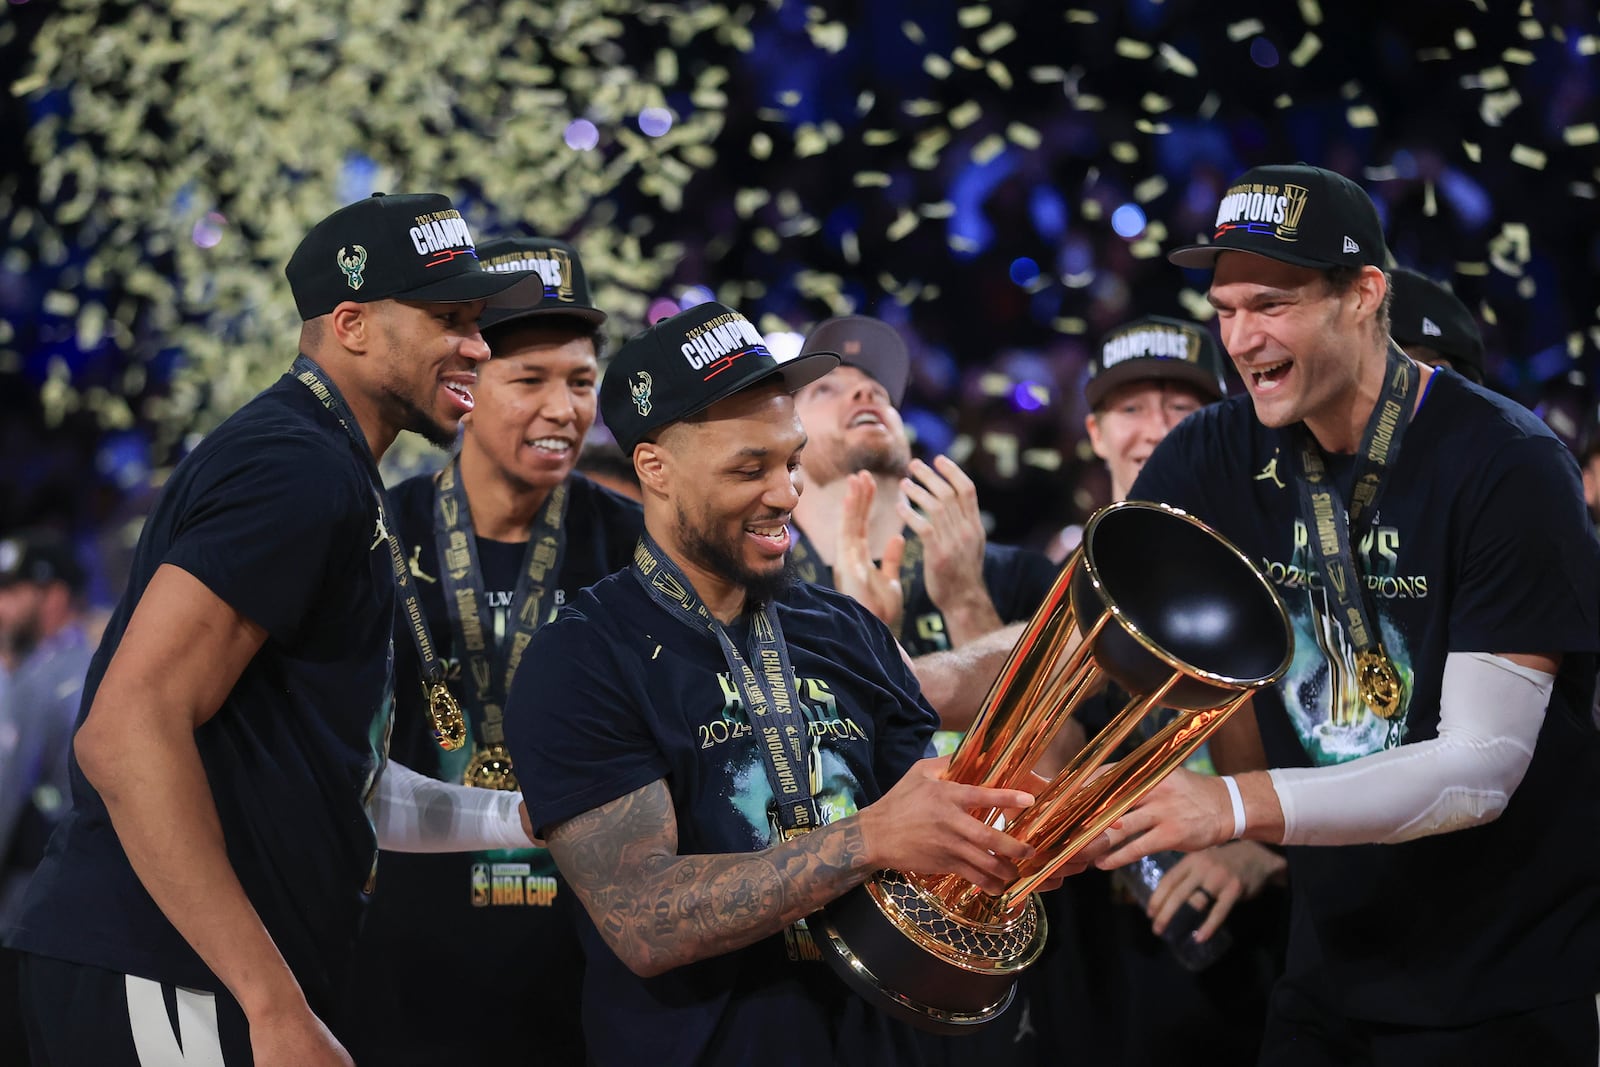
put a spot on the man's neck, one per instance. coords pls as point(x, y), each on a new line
point(1341, 431)
point(375, 429)
point(820, 507)
point(502, 509)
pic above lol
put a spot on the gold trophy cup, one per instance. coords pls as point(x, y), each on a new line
point(1154, 600)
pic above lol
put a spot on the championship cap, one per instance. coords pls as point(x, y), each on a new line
point(410, 246)
point(1424, 312)
point(1154, 347)
point(566, 285)
point(39, 558)
point(1296, 213)
point(868, 343)
point(684, 364)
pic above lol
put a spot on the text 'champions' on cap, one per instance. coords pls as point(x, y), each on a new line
point(1297, 214)
point(683, 364)
point(564, 287)
point(1156, 348)
point(410, 246)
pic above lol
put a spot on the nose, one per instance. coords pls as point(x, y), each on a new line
point(1240, 333)
point(474, 347)
point(558, 406)
point(783, 491)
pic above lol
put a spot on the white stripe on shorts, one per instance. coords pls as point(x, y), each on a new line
point(197, 1042)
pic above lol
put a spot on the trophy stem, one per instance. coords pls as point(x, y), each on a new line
point(1087, 815)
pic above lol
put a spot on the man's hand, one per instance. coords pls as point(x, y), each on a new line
point(1217, 878)
point(925, 824)
point(875, 587)
point(1185, 811)
point(295, 1038)
point(941, 508)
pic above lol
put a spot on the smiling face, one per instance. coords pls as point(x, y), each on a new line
point(852, 426)
point(535, 403)
point(429, 364)
point(720, 491)
point(1131, 420)
point(1304, 348)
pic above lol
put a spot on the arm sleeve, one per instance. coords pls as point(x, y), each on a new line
point(414, 813)
point(265, 523)
point(1490, 714)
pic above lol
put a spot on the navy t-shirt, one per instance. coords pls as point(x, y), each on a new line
point(617, 694)
point(502, 921)
point(275, 513)
point(1479, 544)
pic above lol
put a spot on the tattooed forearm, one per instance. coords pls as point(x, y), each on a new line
point(658, 910)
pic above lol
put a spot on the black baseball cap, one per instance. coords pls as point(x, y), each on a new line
point(1424, 312)
point(565, 284)
point(1155, 347)
point(684, 364)
point(868, 343)
point(1295, 213)
point(410, 246)
point(40, 558)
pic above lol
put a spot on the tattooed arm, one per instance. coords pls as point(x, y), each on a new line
point(658, 910)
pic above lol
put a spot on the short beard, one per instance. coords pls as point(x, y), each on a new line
point(888, 459)
point(720, 559)
point(422, 424)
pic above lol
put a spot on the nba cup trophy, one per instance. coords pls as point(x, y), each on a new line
point(1153, 600)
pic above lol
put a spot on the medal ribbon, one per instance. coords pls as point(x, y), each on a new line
point(313, 378)
point(1331, 536)
point(781, 732)
point(472, 621)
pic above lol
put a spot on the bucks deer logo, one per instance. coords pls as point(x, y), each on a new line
point(640, 388)
point(353, 261)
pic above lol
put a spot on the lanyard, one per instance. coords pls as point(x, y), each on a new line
point(1323, 512)
point(781, 731)
point(471, 619)
point(449, 728)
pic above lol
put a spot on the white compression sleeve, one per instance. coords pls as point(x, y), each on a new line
point(415, 813)
point(1490, 713)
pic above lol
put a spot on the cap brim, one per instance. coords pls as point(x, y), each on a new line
point(1204, 257)
point(500, 289)
point(1151, 369)
point(503, 316)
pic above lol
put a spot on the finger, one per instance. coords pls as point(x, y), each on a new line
point(1226, 899)
point(922, 498)
point(893, 553)
point(931, 480)
point(975, 797)
point(1001, 844)
point(957, 477)
point(913, 518)
point(1172, 896)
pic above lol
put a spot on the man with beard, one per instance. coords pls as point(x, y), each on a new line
point(229, 785)
point(1429, 541)
point(525, 534)
point(924, 565)
point(41, 625)
point(697, 835)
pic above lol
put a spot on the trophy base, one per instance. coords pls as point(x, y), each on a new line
point(892, 943)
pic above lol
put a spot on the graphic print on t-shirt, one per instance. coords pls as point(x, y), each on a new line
point(749, 792)
point(1319, 691)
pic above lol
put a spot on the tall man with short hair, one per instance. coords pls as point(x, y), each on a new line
point(200, 900)
point(714, 753)
point(1434, 761)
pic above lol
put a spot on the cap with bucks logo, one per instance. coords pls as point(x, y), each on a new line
point(684, 364)
point(410, 246)
point(1298, 214)
point(565, 288)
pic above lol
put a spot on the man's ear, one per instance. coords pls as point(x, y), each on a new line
point(652, 462)
point(1371, 287)
point(353, 325)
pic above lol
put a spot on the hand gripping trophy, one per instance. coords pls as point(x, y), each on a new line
point(1154, 600)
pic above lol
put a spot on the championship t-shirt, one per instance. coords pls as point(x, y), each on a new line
point(275, 513)
point(617, 693)
point(1479, 544)
point(501, 923)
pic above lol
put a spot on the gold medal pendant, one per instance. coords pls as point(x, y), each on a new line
point(490, 768)
point(444, 716)
point(1378, 682)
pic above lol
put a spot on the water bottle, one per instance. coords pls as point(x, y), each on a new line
point(1140, 879)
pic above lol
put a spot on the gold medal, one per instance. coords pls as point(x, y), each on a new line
point(444, 716)
point(1378, 682)
point(490, 768)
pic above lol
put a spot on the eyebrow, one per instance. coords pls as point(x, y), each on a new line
point(1255, 297)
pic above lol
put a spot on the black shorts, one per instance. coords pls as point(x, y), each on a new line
point(82, 1016)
